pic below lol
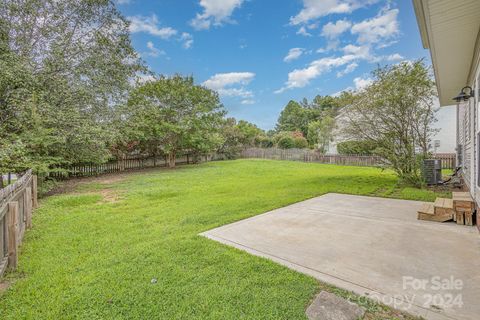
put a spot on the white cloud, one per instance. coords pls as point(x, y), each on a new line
point(221, 80)
point(303, 32)
point(362, 52)
point(386, 44)
point(214, 12)
point(123, 1)
point(150, 25)
point(300, 78)
point(395, 57)
point(383, 26)
point(223, 83)
point(333, 30)
point(248, 101)
point(154, 52)
point(349, 69)
point(293, 54)
point(235, 92)
point(187, 40)
point(314, 9)
point(362, 83)
point(370, 34)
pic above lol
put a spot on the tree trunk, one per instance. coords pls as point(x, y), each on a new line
point(172, 157)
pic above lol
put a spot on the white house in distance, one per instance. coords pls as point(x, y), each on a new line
point(450, 29)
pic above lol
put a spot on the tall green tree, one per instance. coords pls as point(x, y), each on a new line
point(323, 106)
point(395, 113)
point(294, 117)
point(80, 61)
point(173, 115)
point(23, 139)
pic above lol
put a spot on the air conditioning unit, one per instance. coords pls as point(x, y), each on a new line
point(432, 171)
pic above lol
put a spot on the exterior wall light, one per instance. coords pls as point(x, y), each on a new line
point(465, 94)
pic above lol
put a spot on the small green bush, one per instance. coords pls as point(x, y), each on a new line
point(286, 142)
point(300, 142)
point(356, 147)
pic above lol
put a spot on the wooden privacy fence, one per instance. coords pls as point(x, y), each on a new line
point(16, 207)
point(449, 160)
point(311, 156)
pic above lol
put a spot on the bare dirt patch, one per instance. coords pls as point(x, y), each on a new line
point(4, 285)
point(110, 196)
point(71, 185)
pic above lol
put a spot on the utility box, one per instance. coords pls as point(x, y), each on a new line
point(432, 171)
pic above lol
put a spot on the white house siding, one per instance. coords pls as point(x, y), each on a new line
point(468, 139)
point(465, 140)
point(476, 114)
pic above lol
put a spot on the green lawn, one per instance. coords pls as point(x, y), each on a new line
point(93, 254)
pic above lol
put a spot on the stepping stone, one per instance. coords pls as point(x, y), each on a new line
point(328, 306)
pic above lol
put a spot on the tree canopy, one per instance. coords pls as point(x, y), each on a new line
point(66, 67)
point(171, 115)
point(395, 113)
point(315, 119)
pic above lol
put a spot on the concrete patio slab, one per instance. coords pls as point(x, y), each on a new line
point(373, 246)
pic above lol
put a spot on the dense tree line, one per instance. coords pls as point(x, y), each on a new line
point(70, 93)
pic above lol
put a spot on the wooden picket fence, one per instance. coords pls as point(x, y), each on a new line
point(307, 155)
point(17, 202)
point(122, 164)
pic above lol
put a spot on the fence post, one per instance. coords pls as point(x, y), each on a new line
point(12, 229)
point(122, 161)
point(28, 207)
point(34, 191)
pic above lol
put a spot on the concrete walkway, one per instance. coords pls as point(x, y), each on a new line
point(374, 247)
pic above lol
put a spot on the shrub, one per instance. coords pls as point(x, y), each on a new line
point(356, 147)
point(290, 140)
point(286, 142)
point(300, 142)
point(265, 142)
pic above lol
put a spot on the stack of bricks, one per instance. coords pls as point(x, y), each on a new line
point(464, 208)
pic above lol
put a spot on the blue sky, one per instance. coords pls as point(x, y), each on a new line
point(259, 54)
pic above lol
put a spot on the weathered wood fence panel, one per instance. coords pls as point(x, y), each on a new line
point(17, 202)
point(311, 156)
point(449, 160)
point(306, 155)
point(118, 165)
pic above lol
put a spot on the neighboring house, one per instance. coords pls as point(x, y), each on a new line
point(450, 29)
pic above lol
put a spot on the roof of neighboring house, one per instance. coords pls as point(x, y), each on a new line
point(450, 29)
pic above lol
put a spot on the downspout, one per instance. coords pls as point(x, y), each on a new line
point(458, 136)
